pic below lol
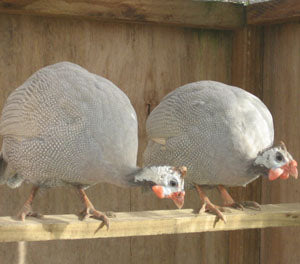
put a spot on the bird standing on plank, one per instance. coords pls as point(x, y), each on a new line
point(67, 126)
point(223, 134)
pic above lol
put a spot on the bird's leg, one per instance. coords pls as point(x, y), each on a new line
point(90, 211)
point(27, 207)
point(227, 199)
point(229, 202)
point(208, 205)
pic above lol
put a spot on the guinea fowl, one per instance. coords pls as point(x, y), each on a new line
point(222, 134)
point(67, 126)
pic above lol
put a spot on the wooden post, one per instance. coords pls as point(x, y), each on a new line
point(247, 63)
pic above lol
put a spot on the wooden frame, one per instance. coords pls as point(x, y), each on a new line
point(172, 12)
point(247, 69)
point(273, 12)
point(214, 15)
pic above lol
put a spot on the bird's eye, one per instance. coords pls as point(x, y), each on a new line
point(173, 183)
point(279, 156)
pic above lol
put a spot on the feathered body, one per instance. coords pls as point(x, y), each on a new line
point(214, 129)
point(65, 125)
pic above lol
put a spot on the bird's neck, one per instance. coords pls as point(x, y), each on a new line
point(142, 177)
point(258, 169)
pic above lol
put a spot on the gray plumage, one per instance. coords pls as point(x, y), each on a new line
point(65, 125)
point(214, 129)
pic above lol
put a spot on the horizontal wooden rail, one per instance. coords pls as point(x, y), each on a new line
point(216, 15)
point(55, 227)
point(278, 11)
point(187, 13)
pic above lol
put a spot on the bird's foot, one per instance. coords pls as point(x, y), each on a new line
point(246, 204)
point(110, 214)
point(93, 213)
point(251, 205)
point(210, 207)
point(27, 211)
point(234, 205)
point(229, 202)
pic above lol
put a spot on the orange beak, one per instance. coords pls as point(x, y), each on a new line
point(285, 171)
point(177, 197)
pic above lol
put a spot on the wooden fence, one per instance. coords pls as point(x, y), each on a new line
point(148, 48)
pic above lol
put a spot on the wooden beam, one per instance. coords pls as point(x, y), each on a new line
point(170, 12)
point(273, 12)
point(56, 227)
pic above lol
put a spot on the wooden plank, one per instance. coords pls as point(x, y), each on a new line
point(170, 12)
point(281, 94)
point(247, 64)
point(273, 12)
point(146, 223)
point(244, 2)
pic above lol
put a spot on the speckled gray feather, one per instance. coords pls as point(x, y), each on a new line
point(67, 125)
point(213, 129)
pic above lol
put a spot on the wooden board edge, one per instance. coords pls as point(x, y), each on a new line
point(59, 227)
point(273, 12)
point(180, 13)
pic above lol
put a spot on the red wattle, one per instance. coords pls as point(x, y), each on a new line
point(274, 174)
point(159, 191)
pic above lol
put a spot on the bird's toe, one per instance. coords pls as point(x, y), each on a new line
point(100, 216)
point(110, 214)
point(235, 205)
point(27, 211)
point(251, 205)
point(209, 207)
point(92, 213)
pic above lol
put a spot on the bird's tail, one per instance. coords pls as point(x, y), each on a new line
point(8, 175)
point(3, 165)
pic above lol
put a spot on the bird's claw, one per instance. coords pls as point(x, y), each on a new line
point(27, 211)
point(207, 207)
point(92, 213)
point(110, 214)
point(235, 205)
point(251, 205)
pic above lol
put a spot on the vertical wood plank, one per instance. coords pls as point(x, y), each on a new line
point(247, 65)
point(282, 95)
point(192, 55)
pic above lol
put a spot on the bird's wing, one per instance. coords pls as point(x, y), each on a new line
point(167, 119)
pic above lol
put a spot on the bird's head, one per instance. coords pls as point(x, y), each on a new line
point(278, 161)
point(170, 184)
point(165, 182)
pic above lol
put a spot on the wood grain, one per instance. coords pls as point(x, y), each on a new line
point(282, 94)
point(171, 12)
point(247, 64)
point(146, 223)
point(276, 11)
point(146, 62)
